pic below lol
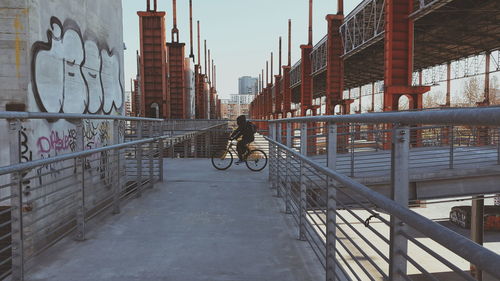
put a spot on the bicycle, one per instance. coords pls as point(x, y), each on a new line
point(255, 159)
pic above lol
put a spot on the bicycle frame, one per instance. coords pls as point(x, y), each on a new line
point(230, 148)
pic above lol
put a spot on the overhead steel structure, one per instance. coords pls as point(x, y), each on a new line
point(387, 40)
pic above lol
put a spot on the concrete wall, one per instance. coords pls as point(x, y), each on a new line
point(189, 88)
point(61, 56)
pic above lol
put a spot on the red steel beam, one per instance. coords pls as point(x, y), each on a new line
point(335, 64)
point(153, 68)
point(287, 95)
point(176, 55)
point(398, 56)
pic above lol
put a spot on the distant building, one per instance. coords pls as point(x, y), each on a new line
point(241, 99)
point(235, 106)
point(248, 85)
point(128, 103)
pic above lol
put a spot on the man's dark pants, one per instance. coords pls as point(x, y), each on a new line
point(241, 147)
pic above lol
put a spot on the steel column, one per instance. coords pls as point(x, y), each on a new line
point(151, 157)
point(306, 86)
point(303, 185)
point(331, 205)
point(80, 194)
point(452, 147)
point(272, 156)
point(160, 158)
point(335, 64)
point(477, 229)
point(16, 208)
point(138, 156)
point(116, 185)
point(448, 84)
point(400, 194)
point(352, 135)
point(289, 168)
point(278, 138)
point(398, 55)
point(487, 78)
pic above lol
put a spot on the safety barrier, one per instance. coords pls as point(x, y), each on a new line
point(361, 234)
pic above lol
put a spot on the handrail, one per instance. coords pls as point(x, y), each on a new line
point(45, 115)
point(320, 42)
point(41, 162)
point(483, 258)
point(487, 116)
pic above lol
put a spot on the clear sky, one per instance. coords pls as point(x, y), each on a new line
point(241, 34)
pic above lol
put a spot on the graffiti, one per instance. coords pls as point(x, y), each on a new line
point(57, 142)
point(96, 135)
point(104, 132)
point(71, 73)
point(53, 170)
point(26, 156)
point(26, 153)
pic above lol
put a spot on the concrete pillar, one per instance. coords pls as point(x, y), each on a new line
point(398, 55)
point(335, 63)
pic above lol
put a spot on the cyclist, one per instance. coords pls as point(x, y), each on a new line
point(246, 130)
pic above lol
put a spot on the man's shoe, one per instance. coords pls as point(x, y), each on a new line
point(239, 162)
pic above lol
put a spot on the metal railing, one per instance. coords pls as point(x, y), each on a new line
point(55, 183)
point(356, 232)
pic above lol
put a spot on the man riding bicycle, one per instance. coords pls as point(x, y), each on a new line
point(246, 130)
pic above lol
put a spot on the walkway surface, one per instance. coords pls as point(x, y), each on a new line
point(200, 224)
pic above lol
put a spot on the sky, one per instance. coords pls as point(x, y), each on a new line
point(240, 34)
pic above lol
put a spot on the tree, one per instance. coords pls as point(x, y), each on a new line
point(494, 90)
point(472, 92)
point(432, 99)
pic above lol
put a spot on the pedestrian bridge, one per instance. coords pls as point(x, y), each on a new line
point(149, 205)
point(198, 224)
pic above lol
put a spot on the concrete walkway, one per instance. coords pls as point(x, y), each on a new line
point(201, 224)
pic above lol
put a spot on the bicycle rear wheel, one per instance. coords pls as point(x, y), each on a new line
point(222, 159)
point(256, 160)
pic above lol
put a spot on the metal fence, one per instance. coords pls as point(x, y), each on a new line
point(96, 163)
point(361, 234)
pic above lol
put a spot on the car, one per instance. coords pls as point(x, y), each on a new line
point(461, 216)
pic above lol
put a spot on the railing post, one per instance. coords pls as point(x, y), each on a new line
point(117, 181)
point(452, 147)
point(331, 219)
point(303, 186)
point(400, 194)
point(80, 195)
point(16, 208)
point(272, 156)
point(160, 158)
point(352, 135)
point(477, 230)
point(278, 159)
point(151, 156)
point(195, 144)
point(498, 146)
point(138, 156)
point(288, 167)
point(207, 144)
point(172, 142)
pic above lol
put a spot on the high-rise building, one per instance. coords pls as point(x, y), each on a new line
point(248, 85)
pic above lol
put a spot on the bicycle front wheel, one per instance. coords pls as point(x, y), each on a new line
point(256, 160)
point(222, 159)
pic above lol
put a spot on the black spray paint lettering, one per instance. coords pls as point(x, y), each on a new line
point(71, 73)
